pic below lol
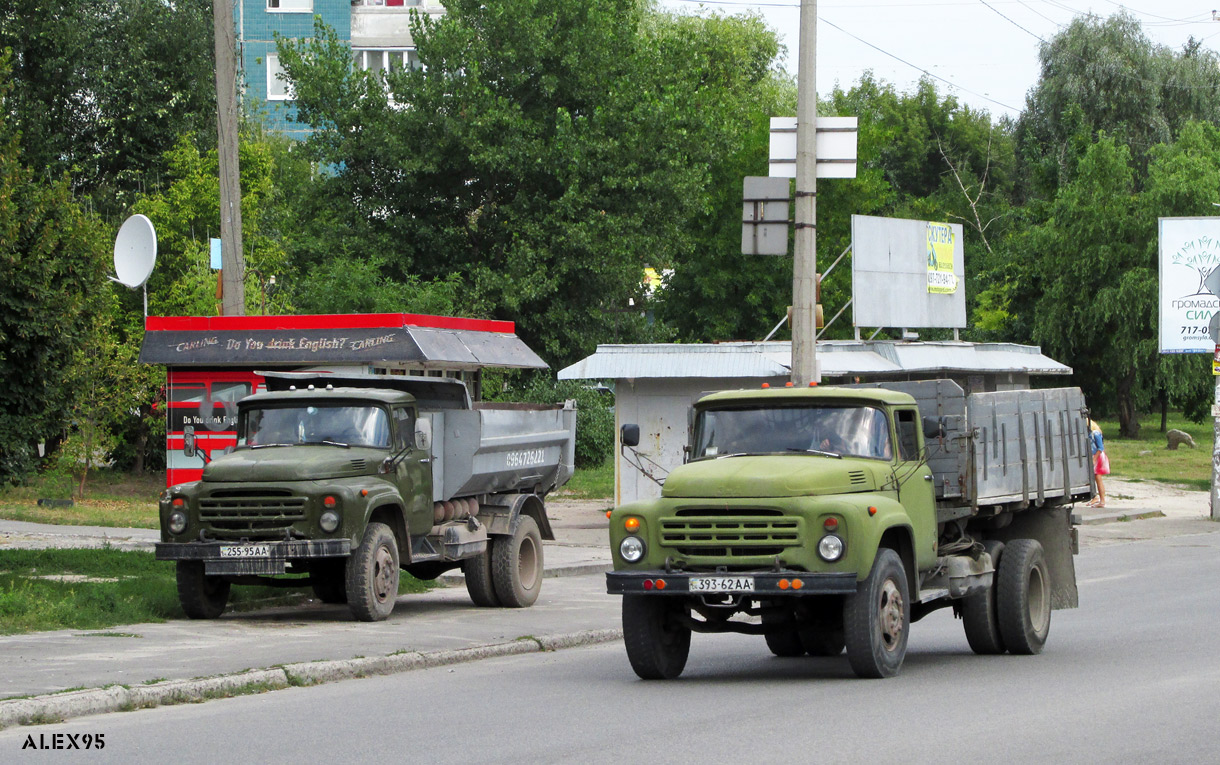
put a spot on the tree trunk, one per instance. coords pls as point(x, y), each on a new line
point(1128, 420)
point(1164, 411)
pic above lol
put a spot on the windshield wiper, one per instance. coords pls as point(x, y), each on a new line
point(264, 446)
point(836, 455)
point(330, 443)
point(732, 454)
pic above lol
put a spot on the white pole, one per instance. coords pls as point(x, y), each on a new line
point(805, 254)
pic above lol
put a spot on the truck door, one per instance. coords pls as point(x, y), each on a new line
point(916, 488)
point(413, 474)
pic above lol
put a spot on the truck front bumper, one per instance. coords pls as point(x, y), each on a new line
point(262, 558)
point(766, 583)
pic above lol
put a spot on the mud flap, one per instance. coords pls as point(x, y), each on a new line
point(1052, 527)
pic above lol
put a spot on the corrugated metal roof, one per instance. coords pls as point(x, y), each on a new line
point(837, 358)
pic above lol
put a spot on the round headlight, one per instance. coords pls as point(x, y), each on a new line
point(177, 522)
point(631, 548)
point(830, 548)
point(329, 521)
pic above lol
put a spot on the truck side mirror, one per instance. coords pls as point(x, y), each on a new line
point(188, 441)
point(630, 435)
point(423, 434)
point(933, 427)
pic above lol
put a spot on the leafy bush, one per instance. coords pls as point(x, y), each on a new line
point(594, 412)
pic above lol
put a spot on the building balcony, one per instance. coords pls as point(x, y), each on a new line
point(386, 23)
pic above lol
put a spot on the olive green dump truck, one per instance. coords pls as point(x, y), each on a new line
point(338, 482)
point(831, 518)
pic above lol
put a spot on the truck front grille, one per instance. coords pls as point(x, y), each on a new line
point(731, 533)
point(265, 510)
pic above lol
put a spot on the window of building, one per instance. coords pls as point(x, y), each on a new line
point(385, 60)
point(278, 88)
point(388, 2)
point(290, 6)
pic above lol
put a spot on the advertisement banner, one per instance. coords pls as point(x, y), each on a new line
point(1189, 252)
point(941, 279)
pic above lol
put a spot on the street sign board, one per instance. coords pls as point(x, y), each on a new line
point(1213, 328)
point(764, 216)
point(836, 147)
point(1189, 262)
point(907, 273)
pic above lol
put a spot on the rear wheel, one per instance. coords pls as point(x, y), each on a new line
point(327, 577)
point(201, 596)
point(477, 571)
point(877, 619)
point(516, 564)
point(657, 642)
point(1023, 597)
point(979, 615)
point(782, 636)
point(372, 574)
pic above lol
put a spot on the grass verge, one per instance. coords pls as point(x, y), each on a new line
point(92, 589)
point(590, 483)
point(1147, 459)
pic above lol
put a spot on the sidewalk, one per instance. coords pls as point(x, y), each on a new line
point(153, 663)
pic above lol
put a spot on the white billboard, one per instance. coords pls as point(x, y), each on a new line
point(907, 273)
point(1189, 252)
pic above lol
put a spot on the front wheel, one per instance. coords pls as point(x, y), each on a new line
point(372, 574)
point(657, 643)
point(516, 564)
point(876, 619)
point(201, 596)
point(1023, 597)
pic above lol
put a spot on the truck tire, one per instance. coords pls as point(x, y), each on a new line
point(657, 645)
point(979, 614)
point(372, 574)
point(201, 596)
point(877, 619)
point(1023, 597)
point(477, 571)
point(328, 578)
point(782, 640)
point(516, 564)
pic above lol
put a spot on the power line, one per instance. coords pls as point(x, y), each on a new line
point(918, 68)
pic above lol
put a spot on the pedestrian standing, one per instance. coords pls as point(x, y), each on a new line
point(1101, 463)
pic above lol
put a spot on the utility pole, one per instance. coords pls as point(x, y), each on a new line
point(805, 254)
point(233, 269)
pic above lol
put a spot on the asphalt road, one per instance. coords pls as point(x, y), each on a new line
point(1131, 676)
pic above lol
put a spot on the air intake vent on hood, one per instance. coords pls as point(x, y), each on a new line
point(359, 465)
point(857, 477)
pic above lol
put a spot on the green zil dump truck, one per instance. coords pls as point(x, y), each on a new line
point(347, 480)
point(826, 518)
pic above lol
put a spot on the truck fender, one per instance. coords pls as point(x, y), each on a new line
point(498, 512)
point(388, 510)
point(890, 528)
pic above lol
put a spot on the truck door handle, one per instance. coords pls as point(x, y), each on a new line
point(425, 461)
point(927, 478)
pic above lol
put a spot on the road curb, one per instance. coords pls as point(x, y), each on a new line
point(456, 578)
point(1116, 517)
point(57, 707)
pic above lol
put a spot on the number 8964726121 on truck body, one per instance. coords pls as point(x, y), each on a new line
point(831, 518)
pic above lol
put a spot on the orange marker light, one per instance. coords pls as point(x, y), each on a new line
point(788, 384)
point(608, 513)
point(813, 385)
point(797, 584)
point(783, 584)
point(364, 492)
point(872, 510)
point(632, 524)
point(660, 584)
point(766, 385)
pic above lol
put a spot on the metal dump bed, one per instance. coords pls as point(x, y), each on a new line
point(498, 448)
point(1017, 447)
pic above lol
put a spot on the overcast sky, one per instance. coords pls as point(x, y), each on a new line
point(984, 51)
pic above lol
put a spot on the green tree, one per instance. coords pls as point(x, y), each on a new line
point(52, 261)
point(102, 89)
point(545, 152)
point(1096, 277)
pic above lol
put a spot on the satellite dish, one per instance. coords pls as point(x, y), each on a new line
point(135, 251)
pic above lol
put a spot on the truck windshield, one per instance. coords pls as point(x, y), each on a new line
point(857, 431)
point(342, 424)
